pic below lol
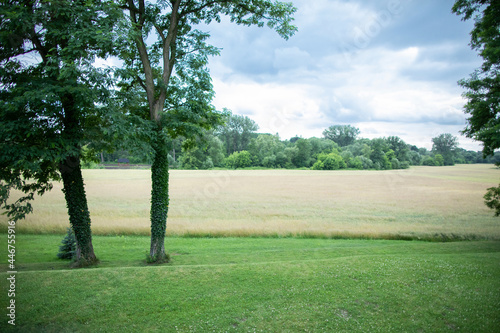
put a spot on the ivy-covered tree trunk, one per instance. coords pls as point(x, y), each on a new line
point(159, 199)
point(78, 211)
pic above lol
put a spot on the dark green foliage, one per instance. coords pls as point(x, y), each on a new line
point(331, 161)
point(68, 248)
point(445, 145)
point(237, 132)
point(483, 86)
point(48, 111)
point(492, 199)
point(343, 135)
point(241, 159)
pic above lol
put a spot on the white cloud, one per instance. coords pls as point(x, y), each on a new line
point(401, 81)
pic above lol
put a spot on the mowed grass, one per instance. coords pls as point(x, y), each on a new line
point(421, 202)
point(258, 285)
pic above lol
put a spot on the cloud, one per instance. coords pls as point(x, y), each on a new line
point(380, 65)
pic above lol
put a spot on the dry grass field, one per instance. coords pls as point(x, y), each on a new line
point(418, 202)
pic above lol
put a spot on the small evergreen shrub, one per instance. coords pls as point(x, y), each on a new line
point(68, 248)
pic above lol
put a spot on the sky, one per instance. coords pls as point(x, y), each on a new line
point(388, 67)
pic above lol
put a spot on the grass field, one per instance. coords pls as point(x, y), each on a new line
point(421, 202)
point(258, 285)
point(272, 283)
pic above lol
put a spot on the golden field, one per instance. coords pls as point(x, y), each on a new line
point(418, 202)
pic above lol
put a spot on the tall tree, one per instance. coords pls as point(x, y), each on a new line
point(343, 135)
point(237, 132)
point(445, 145)
point(178, 102)
point(48, 92)
point(483, 86)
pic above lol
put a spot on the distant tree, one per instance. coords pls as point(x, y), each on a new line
point(400, 148)
point(321, 146)
point(378, 154)
point(445, 145)
point(206, 153)
point(264, 149)
point(343, 135)
point(237, 132)
point(49, 92)
point(303, 156)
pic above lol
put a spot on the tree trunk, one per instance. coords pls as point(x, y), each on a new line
point(78, 211)
point(159, 199)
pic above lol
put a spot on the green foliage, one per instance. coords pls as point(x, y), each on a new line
point(343, 135)
point(237, 132)
point(331, 161)
point(445, 145)
point(49, 108)
point(439, 160)
point(241, 159)
point(483, 85)
point(68, 248)
point(492, 199)
point(429, 161)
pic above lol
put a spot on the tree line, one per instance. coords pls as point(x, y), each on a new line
point(236, 144)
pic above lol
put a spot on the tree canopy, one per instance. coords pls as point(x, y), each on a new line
point(49, 93)
point(483, 86)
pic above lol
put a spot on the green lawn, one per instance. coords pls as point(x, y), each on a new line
point(258, 285)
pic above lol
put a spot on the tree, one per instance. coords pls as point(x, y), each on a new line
point(264, 149)
point(49, 92)
point(343, 135)
point(445, 145)
point(303, 156)
point(208, 152)
point(483, 86)
point(179, 103)
point(237, 132)
point(378, 154)
point(400, 148)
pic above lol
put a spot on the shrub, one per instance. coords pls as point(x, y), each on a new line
point(68, 248)
point(429, 161)
point(492, 199)
point(395, 163)
point(404, 165)
point(356, 163)
point(439, 159)
point(330, 161)
point(241, 159)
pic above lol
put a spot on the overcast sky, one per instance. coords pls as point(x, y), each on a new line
point(388, 67)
